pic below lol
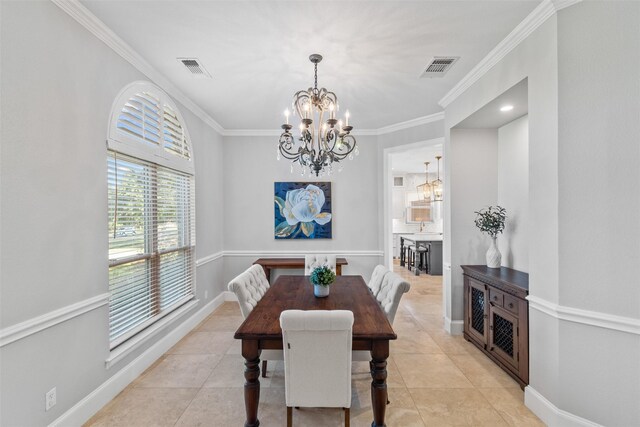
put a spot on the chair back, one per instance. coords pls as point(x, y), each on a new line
point(376, 279)
point(249, 289)
point(313, 261)
point(391, 290)
point(258, 272)
point(317, 357)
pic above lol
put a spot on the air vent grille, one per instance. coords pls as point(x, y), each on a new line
point(195, 67)
point(439, 65)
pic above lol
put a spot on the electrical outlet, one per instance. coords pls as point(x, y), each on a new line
point(50, 399)
point(206, 294)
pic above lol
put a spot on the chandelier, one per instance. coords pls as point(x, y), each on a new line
point(436, 185)
point(322, 141)
point(424, 190)
point(431, 191)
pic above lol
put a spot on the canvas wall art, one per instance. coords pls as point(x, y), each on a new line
point(302, 210)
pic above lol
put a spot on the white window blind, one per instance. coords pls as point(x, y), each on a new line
point(151, 243)
point(151, 211)
point(146, 118)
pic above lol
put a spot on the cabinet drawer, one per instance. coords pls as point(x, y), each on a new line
point(496, 297)
point(511, 303)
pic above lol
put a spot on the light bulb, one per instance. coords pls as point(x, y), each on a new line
point(346, 116)
point(286, 115)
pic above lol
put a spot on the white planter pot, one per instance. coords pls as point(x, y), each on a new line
point(494, 257)
point(321, 291)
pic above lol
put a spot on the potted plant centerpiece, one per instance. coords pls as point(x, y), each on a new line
point(321, 278)
point(491, 221)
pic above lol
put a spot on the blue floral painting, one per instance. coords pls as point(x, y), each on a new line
point(302, 210)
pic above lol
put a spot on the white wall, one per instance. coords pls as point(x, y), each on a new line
point(584, 205)
point(58, 85)
point(474, 158)
point(513, 192)
point(251, 168)
point(599, 207)
point(536, 59)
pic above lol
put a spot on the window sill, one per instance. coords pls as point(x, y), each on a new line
point(134, 343)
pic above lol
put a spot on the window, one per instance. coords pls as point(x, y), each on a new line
point(151, 210)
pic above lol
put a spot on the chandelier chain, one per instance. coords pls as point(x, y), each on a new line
point(315, 81)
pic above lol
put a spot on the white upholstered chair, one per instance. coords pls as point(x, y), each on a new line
point(249, 287)
point(317, 359)
point(392, 287)
point(376, 279)
point(313, 261)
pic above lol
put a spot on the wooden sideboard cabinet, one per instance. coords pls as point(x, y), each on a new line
point(496, 316)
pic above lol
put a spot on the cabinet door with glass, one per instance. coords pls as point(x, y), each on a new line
point(503, 336)
point(476, 322)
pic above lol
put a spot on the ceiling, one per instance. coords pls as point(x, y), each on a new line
point(412, 160)
point(490, 116)
point(257, 51)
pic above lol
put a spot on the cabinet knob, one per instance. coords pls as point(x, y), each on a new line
point(510, 305)
point(495, 297)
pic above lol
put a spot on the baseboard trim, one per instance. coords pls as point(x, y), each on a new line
point(453, 327)
point(585, 317)
point(550, 414)
point(47, 320)
point(94, 401)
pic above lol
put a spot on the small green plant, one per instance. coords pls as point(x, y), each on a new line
point(322, 276)
point(491, 220)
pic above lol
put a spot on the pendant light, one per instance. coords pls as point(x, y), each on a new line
point(436, 185)
point(424, 190)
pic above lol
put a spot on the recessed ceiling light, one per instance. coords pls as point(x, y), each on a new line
point(506, 108)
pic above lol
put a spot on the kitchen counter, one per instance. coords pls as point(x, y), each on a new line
point(434, 242)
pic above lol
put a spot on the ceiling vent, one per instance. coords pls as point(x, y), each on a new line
point(194, 67)
point(439, 66)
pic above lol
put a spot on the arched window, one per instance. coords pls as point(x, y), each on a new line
point(151, 210)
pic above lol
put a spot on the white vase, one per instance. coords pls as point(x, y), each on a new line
point(321, 291)
point(494, 257)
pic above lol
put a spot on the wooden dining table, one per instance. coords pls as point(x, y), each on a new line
point(261, 330)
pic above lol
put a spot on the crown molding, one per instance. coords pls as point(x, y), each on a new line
point(561, 4)
point(99, 29)
point(537, 17)
point(363, 132)
point(411, 123)
point(251, 132)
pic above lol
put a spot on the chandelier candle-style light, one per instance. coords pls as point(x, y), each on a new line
point(323, 140)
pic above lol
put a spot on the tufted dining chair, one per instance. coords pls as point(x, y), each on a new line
point(392, 287)
point(376, 279)
point(249, 287)
point(317, 359)
point(313, 261)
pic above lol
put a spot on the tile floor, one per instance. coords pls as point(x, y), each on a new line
point(434, 379)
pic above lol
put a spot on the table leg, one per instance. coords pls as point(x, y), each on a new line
point(378, 364)
point(338, 270)
point(401, 252)
point(251, 354)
